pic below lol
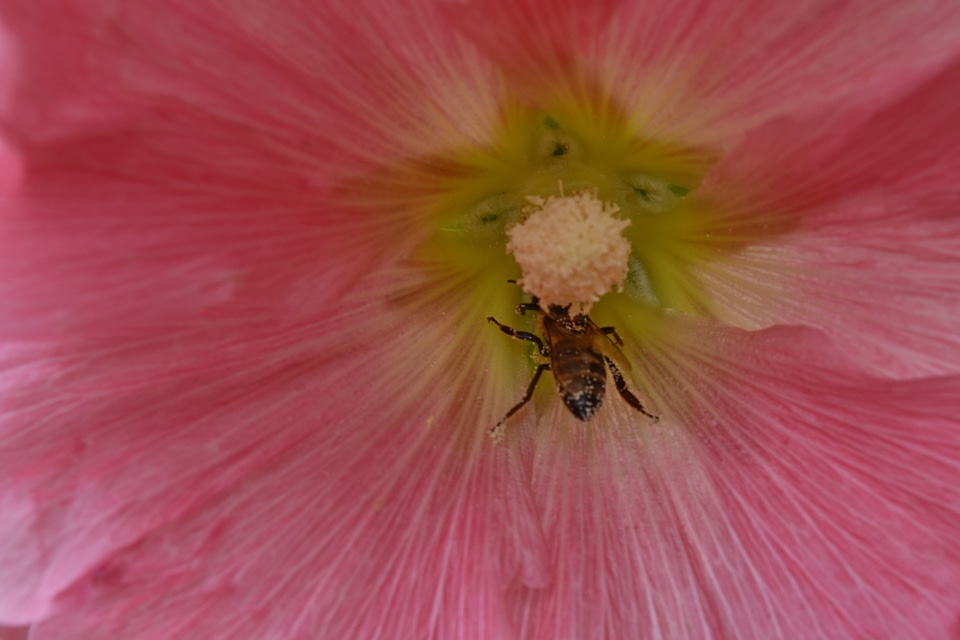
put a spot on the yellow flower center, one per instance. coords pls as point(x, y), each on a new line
point(629, 223)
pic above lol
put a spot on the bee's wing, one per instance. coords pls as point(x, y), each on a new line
point(608, 345)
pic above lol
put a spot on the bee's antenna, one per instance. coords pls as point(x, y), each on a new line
point(512, 281)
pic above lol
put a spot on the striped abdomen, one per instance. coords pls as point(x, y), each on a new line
point(580, 372)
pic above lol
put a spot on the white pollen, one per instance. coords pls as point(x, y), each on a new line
point(570, 249)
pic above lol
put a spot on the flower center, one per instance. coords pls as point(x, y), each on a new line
point(628, 220)
point(570, 249)
point(631, 220)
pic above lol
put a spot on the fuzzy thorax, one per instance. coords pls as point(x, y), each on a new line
point(570, 249)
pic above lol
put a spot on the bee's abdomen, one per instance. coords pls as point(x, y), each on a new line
point(581, 377)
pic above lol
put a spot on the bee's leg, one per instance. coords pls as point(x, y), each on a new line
point(523, 307)
point(526, 396)
point(522, 335)
point(612, 331)
point(625, 393)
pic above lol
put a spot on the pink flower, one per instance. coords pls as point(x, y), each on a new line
point(248, 250)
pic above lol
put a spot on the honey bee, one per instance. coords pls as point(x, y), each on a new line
point(577, 351)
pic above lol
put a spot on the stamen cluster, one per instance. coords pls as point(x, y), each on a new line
point(571, 249)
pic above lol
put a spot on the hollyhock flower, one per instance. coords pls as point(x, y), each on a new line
point(247, 255)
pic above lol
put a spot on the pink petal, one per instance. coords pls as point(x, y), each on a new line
point(707, 71)
point(535, 43)
point(171, 237)
point(11, 169)
point(361, 77)
point(871, 244)
point(280, 486)
point(14, 633)
point(158, 190)
point(710, 70)
point(756, 507)
point(810, 502)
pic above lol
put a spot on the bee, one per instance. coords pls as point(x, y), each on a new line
point(577, 352)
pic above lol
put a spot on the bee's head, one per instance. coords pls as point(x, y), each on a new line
point(558, 311)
